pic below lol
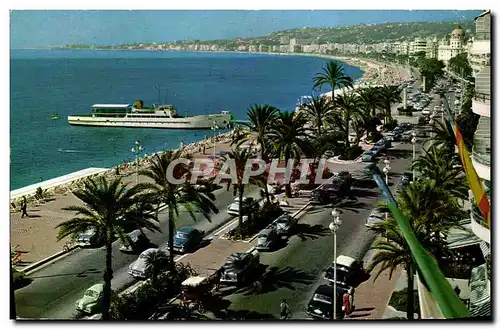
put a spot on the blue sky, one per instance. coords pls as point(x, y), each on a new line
point(51, 27)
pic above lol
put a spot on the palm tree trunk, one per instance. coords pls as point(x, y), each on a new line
point(266, 190)
point(12, 295)
point(347, 133)
point(240, 215)
point(288, 185)
point(409, 307)
point(171, 240)
point(108, 275)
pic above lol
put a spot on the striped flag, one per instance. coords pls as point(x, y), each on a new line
point(474, 182)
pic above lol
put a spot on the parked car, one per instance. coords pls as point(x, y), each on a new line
point(187, 239)
point(367, 156)
point(426, 111)
point(137, 242)
point(248, 204)
point(238, 267)
point(321, 303)
point(348, 272)
point(284, 224)
point(267, 239)
point(384, 143)
point(405, 181)
point(375, 217)
point(91, 301)
point(138, 268)
point(389, 136)
point(376, 150)
point(329, 154)
point(90, 238)
point(407, 136)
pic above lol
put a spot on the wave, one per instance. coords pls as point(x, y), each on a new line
point(69, 151)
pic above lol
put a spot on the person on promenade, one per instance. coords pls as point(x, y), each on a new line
point(24, 206)
point(284, 310)
point(346, 307)
point(351, 299)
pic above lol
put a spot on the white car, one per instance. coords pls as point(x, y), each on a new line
point(138, 268)
point(374, 217)
point(426, 111)
point(234, 208)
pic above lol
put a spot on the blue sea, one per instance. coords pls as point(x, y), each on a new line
point(68, 82)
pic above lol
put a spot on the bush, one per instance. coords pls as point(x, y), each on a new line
point(399, 300)
point(144, 302)
point(262, 218)
point(19, 279)
point(352, 153)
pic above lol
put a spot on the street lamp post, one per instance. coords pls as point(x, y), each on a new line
point(431, 122)
point(136, 150)
point(414, 141)
point(334, 226)
point(386, 170)
point(214, 128)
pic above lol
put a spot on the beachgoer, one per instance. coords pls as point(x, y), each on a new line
point(204, 149)
point(284, 310)
point(24, 206)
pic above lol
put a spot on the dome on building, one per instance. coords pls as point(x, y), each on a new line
point(458, 33)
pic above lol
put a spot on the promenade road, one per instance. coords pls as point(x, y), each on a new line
point(56, 287)
point(299, 266)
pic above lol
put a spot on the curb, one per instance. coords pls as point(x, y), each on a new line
point(44, 261)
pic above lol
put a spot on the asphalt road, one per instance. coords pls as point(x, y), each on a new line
point(56, 287)
point(301, 263)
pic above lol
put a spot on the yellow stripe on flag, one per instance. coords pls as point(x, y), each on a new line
point(472, 177)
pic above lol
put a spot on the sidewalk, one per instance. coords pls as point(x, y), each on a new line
point(35, 235)
point(371, 297)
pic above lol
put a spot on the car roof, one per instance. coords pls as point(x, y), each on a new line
point(265, 231)
point(148, 251)
point(97, 287)
point(345, 260)
point(185, 229)
point(325, 290)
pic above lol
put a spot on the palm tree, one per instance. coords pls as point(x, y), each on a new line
point(260, 120)
point(389, 95)
point(107, 208)
point(171, 194)
point(290, 139)
point(437, 164)
point(156, 263)
point(318, 110)
point(347, 108)
point(242, 160)
point(371, 102)
point(442, 136)
point(333, 75)
point(394, 252)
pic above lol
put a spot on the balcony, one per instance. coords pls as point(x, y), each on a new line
point(481, 104)
point(481, 47)
point(478, 224)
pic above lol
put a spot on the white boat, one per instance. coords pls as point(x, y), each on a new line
point(136, 116)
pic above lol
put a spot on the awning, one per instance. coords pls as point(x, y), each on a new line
point(461, 237)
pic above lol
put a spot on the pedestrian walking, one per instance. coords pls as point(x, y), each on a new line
point(24, 206)
point(346, 305)
point(351, 299)
point(284, 310)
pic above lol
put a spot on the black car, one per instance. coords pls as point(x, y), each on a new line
point(406, 179)
point(187, 238)
point(349, 271)
point(328, 193)
point(320, 305)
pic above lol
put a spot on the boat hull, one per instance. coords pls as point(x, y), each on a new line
point(196, 122)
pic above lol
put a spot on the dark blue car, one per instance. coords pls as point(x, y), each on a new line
point(187, 238)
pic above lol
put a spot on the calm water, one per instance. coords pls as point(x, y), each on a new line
point(69, 82)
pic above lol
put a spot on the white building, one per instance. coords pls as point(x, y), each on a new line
point(431, 50)
point(457, 44)
point(418, 45)
point(480, 51)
